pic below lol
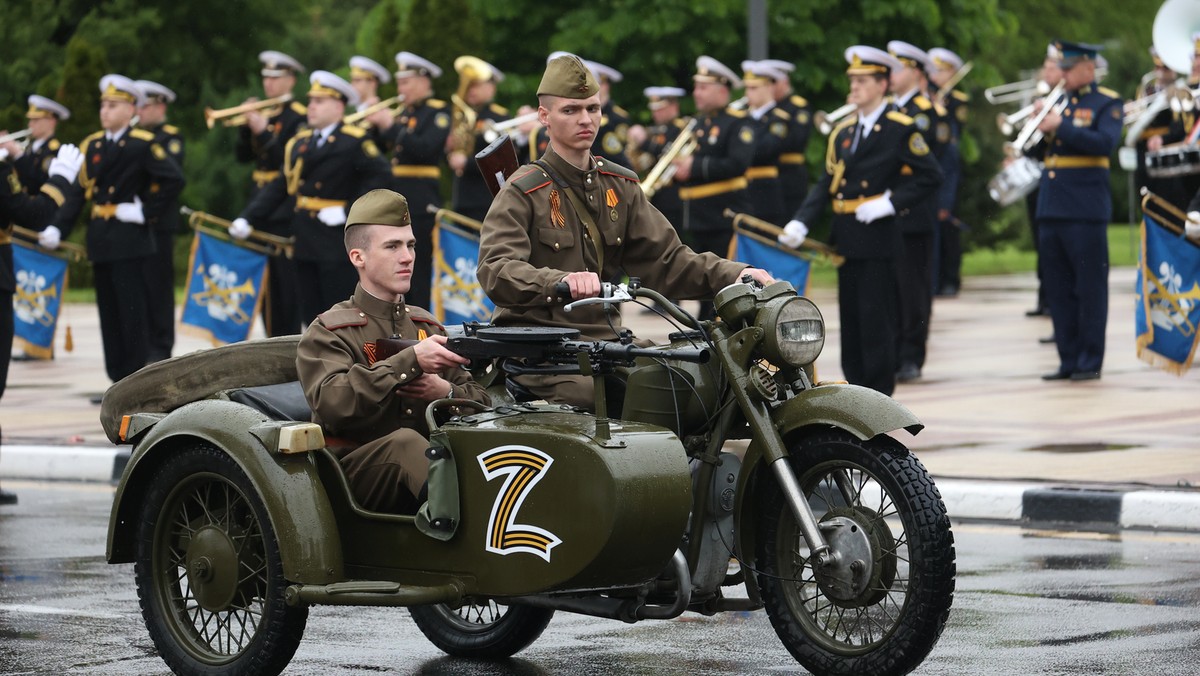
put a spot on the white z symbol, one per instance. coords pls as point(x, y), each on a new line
point(523, 467)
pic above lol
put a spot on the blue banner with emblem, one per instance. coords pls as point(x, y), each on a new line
point(1168, 298)
point(224, 289)
point(784, 263)
point(41, 283)
point(457, 296)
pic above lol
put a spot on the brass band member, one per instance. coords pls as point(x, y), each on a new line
point(32, 164)
point(771, 126)
point(473, 109)
point(650, 143)
point(366, 76)
point(793, 167)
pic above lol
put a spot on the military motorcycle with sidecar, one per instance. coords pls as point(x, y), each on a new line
point(238, 519)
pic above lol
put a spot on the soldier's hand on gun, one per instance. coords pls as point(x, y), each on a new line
point(240, 228)
point(1192, 227)
point(583, 284)
point(428, 387)
point(67, 162)
point(434, 357)
point(873, 210)
point(793, 234)
point(50, 237)
point(131, 212)
point(332, 216)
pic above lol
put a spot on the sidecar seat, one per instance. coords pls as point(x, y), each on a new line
point(283, 401)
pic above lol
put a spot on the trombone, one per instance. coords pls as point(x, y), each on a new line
point(15, 136)
point(236, 116)
point(492, 129)
point(262, 242)
point(825, 121)
point(957, 77)
point(395, 103)
point(685, 144)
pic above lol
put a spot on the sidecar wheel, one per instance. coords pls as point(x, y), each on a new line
point(880, 609)
point(488, 631)
point(209, 574)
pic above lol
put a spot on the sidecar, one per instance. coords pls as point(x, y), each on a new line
point(238, 517)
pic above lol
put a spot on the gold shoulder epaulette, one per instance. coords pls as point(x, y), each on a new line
point(940, 109)
point(299, 108)
point(799, 100)
point(92, 137)
point(170, 129)
point(1108, 92)
point(620, 111)
point(351, 130)
point(735, 112)
point(897, 116)
point(498, 109)
point(141, 134)
point(922, 102)
point(961, 96)
point(435, 103)
point(781, 113)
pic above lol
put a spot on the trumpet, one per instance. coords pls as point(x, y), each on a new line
point(1030, 135)
point(685, 144)
point(1021, 91)
point(236, 116)
point(492, 129)
point(825, 121)
point(15, 136)
point(395, 104)
point(1007, 123)
point(957, 77)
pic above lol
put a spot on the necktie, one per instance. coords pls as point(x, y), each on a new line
point(858, 134)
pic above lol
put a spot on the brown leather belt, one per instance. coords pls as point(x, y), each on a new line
point(416, 171)
point(1076, 162)
point(304, 203)
point(105, 211)
point(696, 192)
point(757, 173)
point(848, 206)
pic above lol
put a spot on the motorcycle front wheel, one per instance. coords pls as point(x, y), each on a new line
point(487, 631)
point(880, 605)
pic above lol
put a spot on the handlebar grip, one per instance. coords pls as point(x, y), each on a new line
point(563, 290)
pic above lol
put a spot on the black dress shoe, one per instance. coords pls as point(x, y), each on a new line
point(1038, 311)
point(1046, 340)
point(7, 498)
point(1057, 375)
point(96, 399)
point(1086, 375)
point(908, 373)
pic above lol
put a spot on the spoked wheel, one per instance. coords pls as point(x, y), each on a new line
point(487, 631)
point(208, 570)
point(880, 605)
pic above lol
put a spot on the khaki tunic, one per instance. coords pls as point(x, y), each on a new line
point(532, 238)
point(354, 397)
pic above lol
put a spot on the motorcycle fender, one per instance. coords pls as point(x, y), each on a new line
point(289, 486)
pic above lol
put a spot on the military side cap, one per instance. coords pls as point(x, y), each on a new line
point(361, 66)
point(409, 64)
point(866, 60)
point(756, 72)
point(661, 96)
point(40, 106)
point(115, 87)
point(710, 70)
point(568, 77)
point(779, 64)
point(379, 207)
point(603, 72)
point(156, 93)
point(277, 64)
point(944, 58)
point(325, 83)
point(910, 55)
point(1071, 53)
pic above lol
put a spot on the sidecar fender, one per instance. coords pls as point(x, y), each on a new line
point(289, 486)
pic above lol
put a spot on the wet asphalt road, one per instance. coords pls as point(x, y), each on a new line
point(1027, 603)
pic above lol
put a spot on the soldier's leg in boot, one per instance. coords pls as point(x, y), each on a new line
point(386, 475)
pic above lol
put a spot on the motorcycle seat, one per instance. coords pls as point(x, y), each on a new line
point(282, 401)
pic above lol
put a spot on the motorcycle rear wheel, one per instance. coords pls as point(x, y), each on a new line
point(488, 631)
point(882, 608)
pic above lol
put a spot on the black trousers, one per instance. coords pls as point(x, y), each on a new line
point(322, 284)
point(867, 299)
point(1031, 210)
point(1076, 255)
point(160, 301)
point(7, 328)
point(281, 309)
point(423, 263)
point(914, 274)
point(121, 298)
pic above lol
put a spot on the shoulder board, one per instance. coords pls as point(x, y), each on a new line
point(961, 96)
point(1108, 92)
point(340, 319)
point(620, 111)
point(93, 137)
point(141, 134)
point(679, 122)
point(735, 112)
point(170, 129)
point(498, 109)
point(922, 102)
point(531, 180)
point(896, 116)
point(53, 144)
point(780, 112)
point(614, 169)
point(299, 108)
point(435, 103)
point(303, 133)
point(422, 316)
point(940, 109)
point(799, 100)
point(847, 122)
point(351, 130)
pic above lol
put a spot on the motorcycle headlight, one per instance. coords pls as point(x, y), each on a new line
point(795, 331)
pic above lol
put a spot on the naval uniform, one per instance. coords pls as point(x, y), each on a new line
point(533, 237)
point(470, 195)
point(380, 435)
point(1074, 210)
point(417, 144)
point(948, 265)
point(765, 190)
point(320, 173)
point(33, 166)
point(612, 134)
point(160, 267)
point(658, 138)
point(793, 168)
point(893, 156)
point(281, 310)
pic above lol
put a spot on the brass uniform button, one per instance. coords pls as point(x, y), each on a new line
point(1051, 174)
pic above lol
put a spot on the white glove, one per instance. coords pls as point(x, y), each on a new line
point(332, 216)
point(50, 237)
point(240, 228)
point(793, 234)
point(67, 162)
point(131, 212)
point(1192, 226)
point(873, 210)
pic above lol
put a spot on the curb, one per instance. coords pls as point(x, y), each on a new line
point(1026, 504)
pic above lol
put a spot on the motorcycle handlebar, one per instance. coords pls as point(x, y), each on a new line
point(696, 355)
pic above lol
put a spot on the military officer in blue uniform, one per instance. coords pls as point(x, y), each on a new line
point(948, 263)
point(771, 126)
point(793, 165)
point(32, 163)
point(877, 163)
point(415, 141)
point(326, 167)
point(1073, 211)
point(160, 268)
point(261, 142)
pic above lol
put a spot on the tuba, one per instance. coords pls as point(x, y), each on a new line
point(1173, 27)
point(470, 70)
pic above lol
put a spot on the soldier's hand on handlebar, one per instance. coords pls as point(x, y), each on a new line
point(583, 284)
point(434, 357)
point(759, 275)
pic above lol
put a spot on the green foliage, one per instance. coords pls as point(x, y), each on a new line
point(451, 18)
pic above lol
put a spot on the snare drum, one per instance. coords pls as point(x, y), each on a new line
point(1016, 181)
point(1173, 160)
